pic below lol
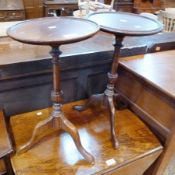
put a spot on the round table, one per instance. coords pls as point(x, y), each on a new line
point(54, 31)
point(120, 24)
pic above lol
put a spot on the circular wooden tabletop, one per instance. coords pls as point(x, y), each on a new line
point(53, 30)
point(126, 23)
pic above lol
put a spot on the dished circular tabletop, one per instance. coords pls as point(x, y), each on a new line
point(53, 30)
point(125, 23)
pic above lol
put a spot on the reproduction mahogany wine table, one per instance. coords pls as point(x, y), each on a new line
point(55, 31)
point(58, 156)
point(121, 25)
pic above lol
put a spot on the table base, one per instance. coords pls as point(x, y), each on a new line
point(57, 119)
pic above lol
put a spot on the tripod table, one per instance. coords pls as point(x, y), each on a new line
point(55, 31)
point(120, 24)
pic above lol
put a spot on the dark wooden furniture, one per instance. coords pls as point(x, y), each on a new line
point(124, 6)
point(55, 32)
point(139, 147)
point(147, 84)
point(151, 6)
point(127, 24)
point(33, 9)
point(5, 147)
point(12, 10)
point(60, 7)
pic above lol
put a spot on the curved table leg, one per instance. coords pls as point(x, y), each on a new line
point(39, 129)
point(67, 126)
point(57, 121)
point(111, 109)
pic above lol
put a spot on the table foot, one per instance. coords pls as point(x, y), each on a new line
point(111, 109)
point(71, 129)
point(57, 121)
point(39, 129)
point(94, 100)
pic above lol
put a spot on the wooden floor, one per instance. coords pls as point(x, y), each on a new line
point(58, 154)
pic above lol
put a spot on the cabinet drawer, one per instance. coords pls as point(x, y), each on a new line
point(14, 14)
point(3, 14)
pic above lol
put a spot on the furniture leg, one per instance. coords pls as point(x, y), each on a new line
point(107, 99)
point(57, 120)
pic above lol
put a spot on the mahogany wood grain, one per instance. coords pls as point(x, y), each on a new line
point(33, 8)
point(5, 144)
point(58, 155)
point(55, 31)
point(147, 83)
point(2, 167)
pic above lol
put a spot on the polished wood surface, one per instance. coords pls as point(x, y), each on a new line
point(5, 147)
point(126, 23)
point(60, 156)
point(55, 30)
point(156, 68)
point(12, 51)
point(147, 83)
point(2, 167)
point(33, 8)
point(5, 144)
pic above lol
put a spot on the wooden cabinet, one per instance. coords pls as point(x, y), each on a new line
point(147, 6)
point(12, 10)
point(124, 5)
point(33, 8)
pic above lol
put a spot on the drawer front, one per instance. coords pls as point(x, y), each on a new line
point(15, 14)
point(12, 15)
point(3, 15)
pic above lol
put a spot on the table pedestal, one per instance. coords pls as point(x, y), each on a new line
point(107, 98)
point(56, 121)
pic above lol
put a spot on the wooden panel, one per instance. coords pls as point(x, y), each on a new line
point(53, 156)
point(145, 100)
point(147, 83)
point(2, 167)
point(147, 6)
point(5, 144)
point(33, 8)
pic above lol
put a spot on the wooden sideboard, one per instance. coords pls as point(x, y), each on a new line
point(125, 6)
point(12, 10)
point(147, 84)
point(151, 6)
